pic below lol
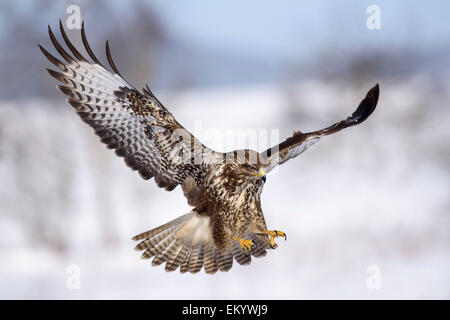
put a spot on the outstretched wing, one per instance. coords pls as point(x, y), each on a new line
point(137, 126)
point(299, 142)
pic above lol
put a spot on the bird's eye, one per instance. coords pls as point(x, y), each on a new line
point(253, 168)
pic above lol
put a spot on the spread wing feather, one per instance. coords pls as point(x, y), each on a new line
point(299, 142)
point(137, 126)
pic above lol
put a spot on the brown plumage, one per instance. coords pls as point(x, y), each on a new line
point(227, 221)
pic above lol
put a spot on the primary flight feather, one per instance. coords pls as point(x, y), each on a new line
point(227, 221)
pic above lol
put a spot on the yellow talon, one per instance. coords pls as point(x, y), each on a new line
point(246, 245)
point(274, 234)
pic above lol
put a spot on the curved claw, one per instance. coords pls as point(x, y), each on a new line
point(272, 234)
point(246, 245)
point(247, 250)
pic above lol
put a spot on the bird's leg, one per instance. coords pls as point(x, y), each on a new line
point(246, 245)
point(274, 234)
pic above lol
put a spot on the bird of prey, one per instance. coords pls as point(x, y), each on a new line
point(224, 189)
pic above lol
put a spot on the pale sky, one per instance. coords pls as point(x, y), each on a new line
point(287, 29)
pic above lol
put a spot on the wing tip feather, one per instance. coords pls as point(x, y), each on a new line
point(110, 59)
point(366, 107)
point(87, 46)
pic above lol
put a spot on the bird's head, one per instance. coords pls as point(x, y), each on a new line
point(247, 165)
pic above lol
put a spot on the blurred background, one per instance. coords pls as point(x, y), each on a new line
point(367, 211)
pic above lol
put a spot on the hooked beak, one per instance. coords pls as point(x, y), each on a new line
point(261, 174)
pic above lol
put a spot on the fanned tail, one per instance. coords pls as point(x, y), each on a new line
point(187, 242)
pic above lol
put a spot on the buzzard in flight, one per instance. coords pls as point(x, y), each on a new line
point(224, 189)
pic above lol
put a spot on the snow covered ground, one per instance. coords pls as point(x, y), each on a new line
point(367, 211)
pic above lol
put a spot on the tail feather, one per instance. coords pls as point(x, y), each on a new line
point(209, 259)
point(184, 267)
point(156, 248)
point(196, 259)
point(224, 260)
point(165, 228)
point(166, 254)
point(187, 242)
point(178, 258)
